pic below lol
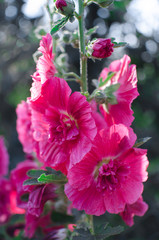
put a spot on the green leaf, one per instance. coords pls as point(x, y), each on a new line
point(34, 173)
point(31, 181)
point(109, 231)
point(110, 75)
point(51, 178)
point(61, 218)
point(119, 4)
point(111, 89)
point(59, 24)
point(102, 230)
point(120, 44)
point(91, 31)
point(82, 233)
point(141, 141)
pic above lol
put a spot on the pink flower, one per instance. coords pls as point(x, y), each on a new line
point(126, 76)
point(4, 158)
point(24, 129)
point(63, 124)
point(102, 48)
point(45, 66)
point(110, 175)
point(138, 208)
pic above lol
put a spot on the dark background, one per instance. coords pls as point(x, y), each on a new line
point(17, 44)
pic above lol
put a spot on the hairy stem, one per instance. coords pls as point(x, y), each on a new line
point(83, 57)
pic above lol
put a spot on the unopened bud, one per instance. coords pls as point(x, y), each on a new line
point(65, 7)
point(100, 48)
point(103, 3)
point(100, 97)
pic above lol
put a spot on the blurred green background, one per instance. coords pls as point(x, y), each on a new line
point(137, 23)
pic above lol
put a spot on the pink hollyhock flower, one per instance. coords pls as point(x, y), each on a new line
point(45, 66)
point(5, 188)
point(17, 177)
point(126, 77)
point(102, 48)
point(138, 208)
point(24, 129)
point(4, 158)
point(63, 124)
point(110, 175)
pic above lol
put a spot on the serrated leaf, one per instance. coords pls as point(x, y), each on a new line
point(103, 231)
point(91, 30)
point(59, 24)
point(120, 4)
point(110, 231)
point(52, 171)
point(110, 75)
point(61, 218)
point(31, 181)
point(34, 173)
point(81, 233)
point(120, 44)
point(111, 89)
point(51, 178)
point(141, 141)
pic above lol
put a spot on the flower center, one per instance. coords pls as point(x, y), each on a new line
point(111, 175)
point(66, 129)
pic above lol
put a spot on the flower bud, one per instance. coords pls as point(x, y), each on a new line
point(65, 7)
point(99, 96)
point(100, 48)
point(103, 3)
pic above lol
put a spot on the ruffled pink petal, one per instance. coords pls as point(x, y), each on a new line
point(88, 199)
point(126, 76)
point(118, 113)
point(38, 197)
point(24, 128)
point(137, 160)
point(138, 208)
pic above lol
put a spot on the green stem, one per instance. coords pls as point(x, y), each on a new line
point(83, 57)
point(51, 24)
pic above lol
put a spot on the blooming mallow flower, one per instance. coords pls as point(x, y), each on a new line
point(126, 79)
point(138, 208)
point(100, 48)
point(63, 125)
point(4, 158)
point(110, 175)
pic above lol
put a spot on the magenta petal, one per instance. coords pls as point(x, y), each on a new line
point(88, 199)
point(38, 197)
point(4, 158)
